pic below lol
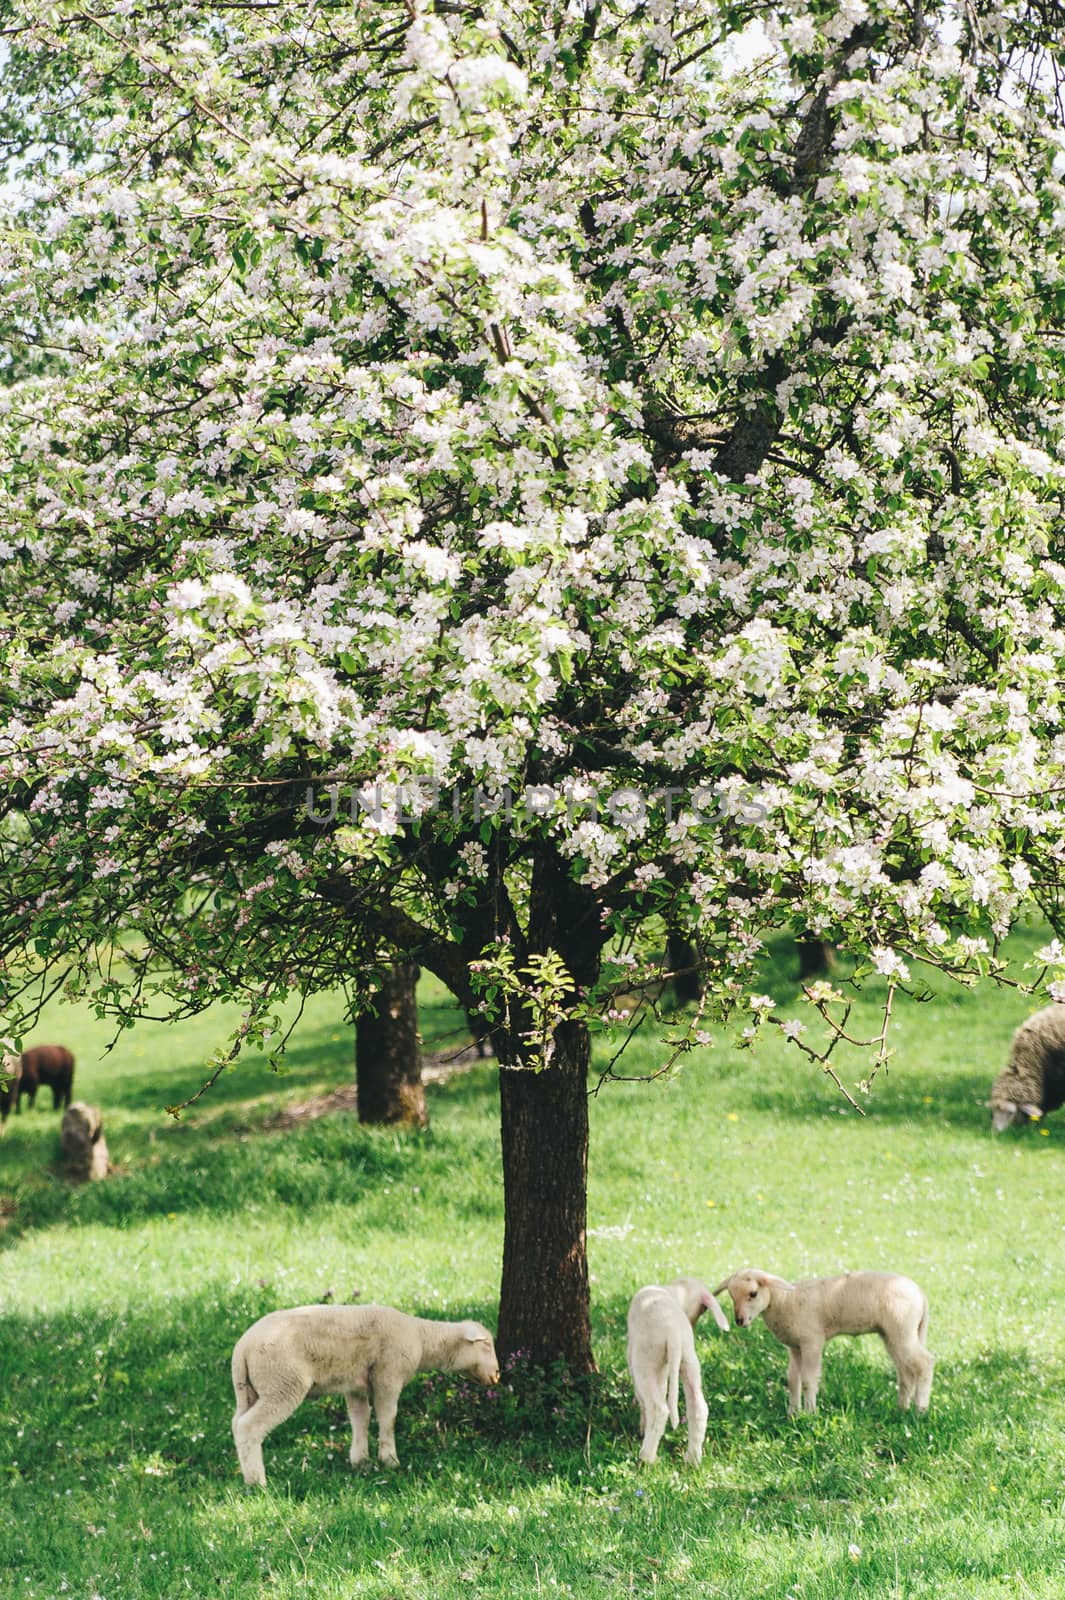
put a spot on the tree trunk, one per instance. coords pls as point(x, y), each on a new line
point(544, 1309)
point(388, 1058)
point(682, 959)
point(816, 957)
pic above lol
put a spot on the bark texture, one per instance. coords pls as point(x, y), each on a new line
point(544, 1296)
point(816, 958)
point(388, 1057)
point(683, 962)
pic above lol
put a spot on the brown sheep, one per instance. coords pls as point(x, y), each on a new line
point(52, 1065)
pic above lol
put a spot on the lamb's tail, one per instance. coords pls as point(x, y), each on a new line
point(242, 1386)
point(673, 1354)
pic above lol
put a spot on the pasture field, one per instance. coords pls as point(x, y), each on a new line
point(120, 1304)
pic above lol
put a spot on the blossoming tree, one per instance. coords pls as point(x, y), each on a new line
point(518, 474)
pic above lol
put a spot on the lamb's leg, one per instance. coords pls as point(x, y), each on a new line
point(810, 1375)
point(654, 1414)
point(386, 1392)
point(695, 1408)
point(251, 1427)
point(794, 1384)
point(639, 1396)
point(907, 1368)
point(359, 1412)
point(925, 1368)
point(914, 1367)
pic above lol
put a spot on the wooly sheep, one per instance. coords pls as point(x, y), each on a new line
point(10, 1079)
point(52, 1065)
point(81, 1135)
point(661, 1355)
point(805, 1315)
point(365, 1353)
point(1033, 1080)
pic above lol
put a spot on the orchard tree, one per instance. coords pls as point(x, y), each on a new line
point(519, 476)
point(388, 1054)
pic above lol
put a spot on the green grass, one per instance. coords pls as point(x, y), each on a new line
point(120, 1303)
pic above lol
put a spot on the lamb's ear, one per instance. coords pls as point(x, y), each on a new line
point(711, 1305)
point(761, 1279)
point(474, 1333)
point(721, 1287)
point(1034, 1112)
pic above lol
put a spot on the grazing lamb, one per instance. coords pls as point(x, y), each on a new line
point(10, 1079)
point(84, 1146)
point(661, 1351)
point(365, 1353)
point(1033, 1080)
point(805, 1315)
point(52, 1065)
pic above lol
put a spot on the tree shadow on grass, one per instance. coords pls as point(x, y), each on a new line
point(958, 1100)
point(315, 1057)
point(306, 1168)
point(221, 1163)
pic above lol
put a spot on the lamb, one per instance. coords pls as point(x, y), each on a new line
point(1033, 1080)
point(52, 1065)
point(805, 1315)
point(10, 1080)
point(661, 1351)
point(84, 1146)
point(365, 1353)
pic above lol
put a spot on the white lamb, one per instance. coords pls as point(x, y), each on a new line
point(365, 1353)
point(661, 1351)
point(805, 1315)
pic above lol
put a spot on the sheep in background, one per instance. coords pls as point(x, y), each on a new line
point(1033, 1080)
point(661, 1354)
point(805, 1315)
point(10, 1079)
point(52, 1065)
point(365, 1353)
point(84, 1146)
